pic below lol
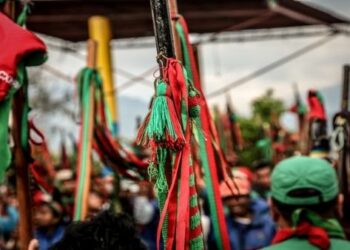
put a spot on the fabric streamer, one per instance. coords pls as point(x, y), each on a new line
point(318, 134)
point(167, 129)
point(42, 167)
point(23, 49)
point(207, 142)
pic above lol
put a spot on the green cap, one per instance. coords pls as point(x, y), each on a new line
point(304, 173)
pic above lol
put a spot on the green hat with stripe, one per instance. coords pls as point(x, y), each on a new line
point(302, 180)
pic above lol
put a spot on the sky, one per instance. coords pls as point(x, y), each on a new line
point(222, 63)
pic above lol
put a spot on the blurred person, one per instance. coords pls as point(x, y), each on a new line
point(146, 214)
point(104, 232)
point(48, 220)
point(8, 212)
point(33, 245)
point(262, 181)
point(248, 221)
point(305, 203)
point(95, 203)
point(65, 182)
point(128, 190)
point(9, 218)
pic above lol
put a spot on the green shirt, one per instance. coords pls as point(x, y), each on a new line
point(303, 244)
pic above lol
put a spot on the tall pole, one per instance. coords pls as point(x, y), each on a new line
point(100, 31)
point(85, 154)
point(20, 158)
point(162, 29)
point(346, 83)
point(343, 120)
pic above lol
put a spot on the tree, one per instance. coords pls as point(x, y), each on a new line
point(266, 111)
point(267, 108)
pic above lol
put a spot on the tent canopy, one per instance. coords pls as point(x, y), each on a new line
point(67, 19)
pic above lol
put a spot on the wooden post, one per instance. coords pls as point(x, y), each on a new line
point(20, 158)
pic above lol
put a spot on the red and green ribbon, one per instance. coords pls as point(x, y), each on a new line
point(204, 130)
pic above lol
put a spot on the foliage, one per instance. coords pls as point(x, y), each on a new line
point(251, 132)
point(267, 107)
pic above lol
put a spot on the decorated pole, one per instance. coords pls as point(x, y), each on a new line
point(162, 29)
point(168, 131)
point(300, 109)
point(341, 142)
point(20, 157)
point(215, 170)
point(100, 31)
point(87, 99)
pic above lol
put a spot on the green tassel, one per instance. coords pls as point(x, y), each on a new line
point(152, 171)
point(161, 128)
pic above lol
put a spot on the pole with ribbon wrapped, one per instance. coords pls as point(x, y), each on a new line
point(88, 82)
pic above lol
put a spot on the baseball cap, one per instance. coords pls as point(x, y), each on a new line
point(302, 180)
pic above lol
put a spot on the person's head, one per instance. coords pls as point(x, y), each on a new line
point(47, 212)
point(262, 174)
point(65, 181)
point(95, 203)
point(106, 231)
point(304, 183)
point(236, 194)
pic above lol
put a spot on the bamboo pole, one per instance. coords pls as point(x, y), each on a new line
point(20, 158)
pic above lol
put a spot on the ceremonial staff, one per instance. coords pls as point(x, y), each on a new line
point(21, 163)
point(162, 29)
point(341, 142)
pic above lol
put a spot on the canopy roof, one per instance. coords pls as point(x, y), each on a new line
point(67, 19)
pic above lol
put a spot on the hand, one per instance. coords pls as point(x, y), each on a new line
point(33, 245)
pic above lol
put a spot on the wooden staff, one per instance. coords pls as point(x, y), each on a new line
point(302, 122)
point(342, 119)
point(20, 157)
point(162, 29)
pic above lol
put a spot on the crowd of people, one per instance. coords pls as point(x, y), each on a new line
point(293, 205)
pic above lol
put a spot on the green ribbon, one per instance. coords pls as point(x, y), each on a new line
point(265, 146)
point(22, 17)
point(87, 77)
point(199, 135)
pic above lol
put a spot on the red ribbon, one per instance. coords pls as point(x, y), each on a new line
point(208, 129)
point(317, 236)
